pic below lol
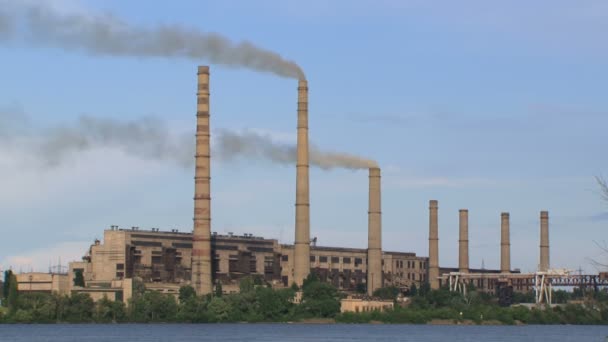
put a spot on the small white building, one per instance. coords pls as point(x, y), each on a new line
point(352, 304)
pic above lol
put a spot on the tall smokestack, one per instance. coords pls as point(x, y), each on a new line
point(302, 240)
point(544, 241)
point(505, 244)
point(374, 234)
point(201, 239)
point(463, 242)
point(433, 245)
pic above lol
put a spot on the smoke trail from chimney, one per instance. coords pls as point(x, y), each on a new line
point(151, 138)
point(6, 25)
point(146, 138)
point(108, 35)
point(250, 145)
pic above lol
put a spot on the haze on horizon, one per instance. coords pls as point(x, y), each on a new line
point(480, 106)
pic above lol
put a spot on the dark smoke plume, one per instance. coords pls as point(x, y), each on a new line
point(249, 145)
point(108, 35)
point(6, 25)
point(146, 138)
point(151, 139)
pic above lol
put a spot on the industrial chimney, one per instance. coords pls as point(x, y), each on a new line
point(374, 234)
point(505, 244)
point(302, 238)
point(201, 238)
point(544, 241)
point(433, 245)
point(463, 242)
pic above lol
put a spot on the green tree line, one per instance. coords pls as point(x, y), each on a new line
point(477, 307)
point(258, 302)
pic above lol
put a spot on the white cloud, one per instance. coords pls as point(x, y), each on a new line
point(23, 185)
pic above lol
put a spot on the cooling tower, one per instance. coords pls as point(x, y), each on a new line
point(201, 238)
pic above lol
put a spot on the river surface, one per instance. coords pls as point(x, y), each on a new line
point(296, 332)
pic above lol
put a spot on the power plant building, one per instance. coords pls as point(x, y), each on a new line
point(167, 260)
point(162, 259)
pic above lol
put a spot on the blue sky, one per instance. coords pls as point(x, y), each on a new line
point(490, 106)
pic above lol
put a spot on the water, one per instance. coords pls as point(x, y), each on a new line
point(296, 332)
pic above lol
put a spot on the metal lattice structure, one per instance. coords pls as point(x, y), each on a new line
point(543, 281)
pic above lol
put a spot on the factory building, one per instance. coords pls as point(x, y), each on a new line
point(42, 282)
point(153, 256)
point(346, 268)
point(162, 259)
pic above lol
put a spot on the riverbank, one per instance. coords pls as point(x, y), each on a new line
point(320, 304)
point(570, 315)
point(482, 314)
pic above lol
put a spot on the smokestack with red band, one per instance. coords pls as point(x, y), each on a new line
point(544, 241)
point(505, 244)
point(374, 248)
point(201, 244)
point(463, 242)
point(302, 238)
point(433, 245)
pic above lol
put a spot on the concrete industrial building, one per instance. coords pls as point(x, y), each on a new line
point(347, 268)
point(162, 259)
point(354, 304)
point(63, 284)
point(43, 282)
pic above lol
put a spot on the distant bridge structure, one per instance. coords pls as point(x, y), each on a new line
point(542, 282)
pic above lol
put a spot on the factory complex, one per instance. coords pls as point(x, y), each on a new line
point(162, 260)
point(167, 260)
